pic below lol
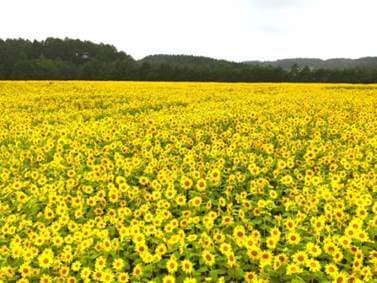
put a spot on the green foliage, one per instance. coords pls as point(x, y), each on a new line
point(72, 59)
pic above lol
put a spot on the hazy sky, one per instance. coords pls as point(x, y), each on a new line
point(229, 29)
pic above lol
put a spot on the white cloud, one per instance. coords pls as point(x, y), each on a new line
point(235, 30)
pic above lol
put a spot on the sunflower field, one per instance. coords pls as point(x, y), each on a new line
point(187, 182)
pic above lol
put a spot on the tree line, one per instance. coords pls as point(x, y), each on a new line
point(73, 59)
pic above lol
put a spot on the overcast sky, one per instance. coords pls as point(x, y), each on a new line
point(236, 30)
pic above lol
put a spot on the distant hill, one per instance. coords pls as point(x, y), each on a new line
point(314, 63)
point(185, 60)
point(193, 68)
point(74, 59)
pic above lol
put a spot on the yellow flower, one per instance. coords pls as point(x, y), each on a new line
point(254, 253)
point(290, 224)
point(25, 270)
point(100, 263)
point(21, 197)
point(161, 249)
point(313, 265)
point(123, 277)
point(85, 273)
point(137, 271)
point(293, 269)
point(300, 258)
point(45, 279)
point(362, 236)
point(265, 258)
point(196, 202)
point(118, 264)
point(250, 277)
point(271, 242)
point(172, 265)
point(226, 248)
point(231, 261)
point(186, 183)
point(107, 276)
point(46, 259)
point(76, 266)
point(293, 238)
point(187, 266)
point(208, 258)
point(313, 249)
point(239, 234)
point(331, 270)
point(180, 199)
point(168, 279)
point(341, 277)
point(318, 224)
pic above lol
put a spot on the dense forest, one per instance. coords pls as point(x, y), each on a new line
point(72, 59)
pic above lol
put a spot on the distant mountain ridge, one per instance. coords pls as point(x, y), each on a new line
point(286, 64)
point(315, 63)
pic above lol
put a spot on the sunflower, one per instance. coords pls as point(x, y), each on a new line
point(45, 260)
point(265, 258)
point(25, 270)
point(341, 277)
point(208, 258)
point(271, 242)
point(331, 270)
point(168, 279)
point(107, 276)
point(293, 238)
point(239, 234)
point(118, 264)
point(300, 258)
point(85, 273)
point(226, 248)
point(313, 249)
point(172, 265)
point(293, 269)
point(123, 277)
point(254, 253)
point(313, 265)
point(250, 277)
point(231, 261)
point(45, 279)
point(137, 271)
point(187, 266)
point(100, 263)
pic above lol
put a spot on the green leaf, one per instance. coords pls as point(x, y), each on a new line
point(297, 279)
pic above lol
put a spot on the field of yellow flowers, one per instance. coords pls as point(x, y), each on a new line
point(187, 182)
